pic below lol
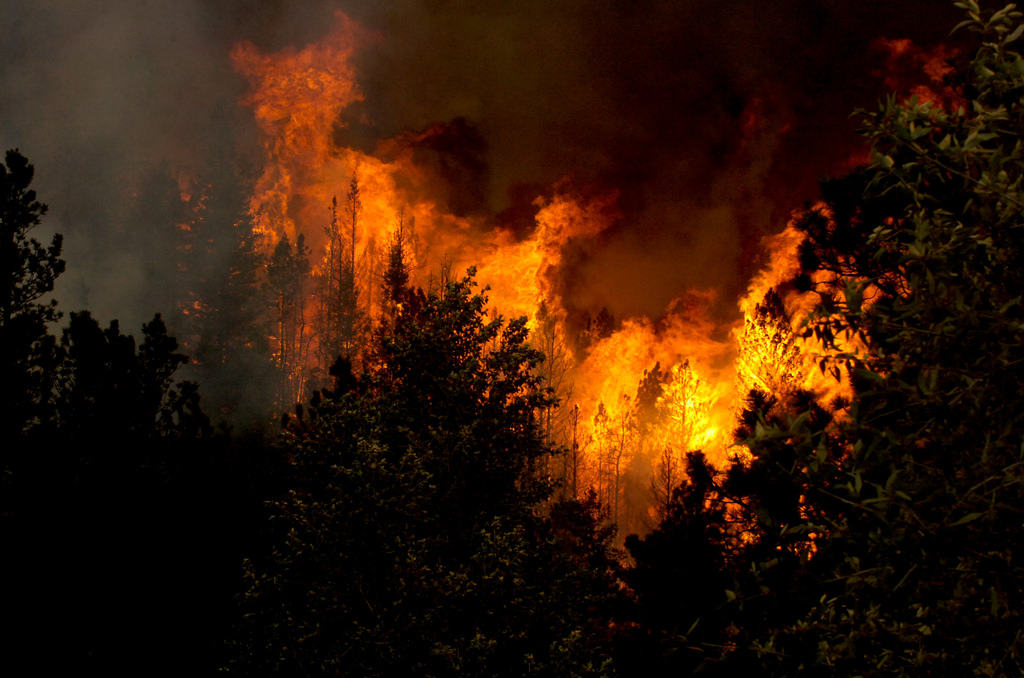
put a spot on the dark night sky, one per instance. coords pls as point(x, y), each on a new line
point(111, 100)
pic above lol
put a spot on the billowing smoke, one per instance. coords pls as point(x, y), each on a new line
point(711, 119)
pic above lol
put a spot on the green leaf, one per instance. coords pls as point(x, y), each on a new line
point(1015, 35)
point(962, 24)
point(868, 374)
point(970, 517)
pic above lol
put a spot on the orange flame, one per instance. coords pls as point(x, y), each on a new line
point(520, 273)
point(620, 433)
point(296, 98)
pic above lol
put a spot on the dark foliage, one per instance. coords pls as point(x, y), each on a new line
point(881, 536)
point(119, 509)
point(28, 270)
point(408, 542)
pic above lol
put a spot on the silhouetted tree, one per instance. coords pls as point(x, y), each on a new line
point(27, 273)
point(408, 543)
point(395, 284)
point(106, 389)
point(594, 330)
point(884, 538)
point(114, 495)
point(912, 494)
point(680, 574)
point(230, 330)
point(288, 272)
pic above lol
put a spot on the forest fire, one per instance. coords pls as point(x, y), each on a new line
point(637, 394)
point(513, 338)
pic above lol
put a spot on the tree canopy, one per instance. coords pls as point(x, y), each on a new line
point(28, 270)
point(408, 542)
point(883, 538)
point(110, 486)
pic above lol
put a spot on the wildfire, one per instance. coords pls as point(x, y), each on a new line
point(637, 397)
point(520, 273)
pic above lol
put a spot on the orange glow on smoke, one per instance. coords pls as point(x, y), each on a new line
point(904, 58)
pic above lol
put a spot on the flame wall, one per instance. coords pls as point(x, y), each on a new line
point(708, 345)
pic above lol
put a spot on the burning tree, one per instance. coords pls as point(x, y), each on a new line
point(395, 282)
point(680, 425)
point(556, 419)
point(769, 353)
point(615, 442)
point(339, 318)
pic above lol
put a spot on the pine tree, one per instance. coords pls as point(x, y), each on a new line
point(27, 273)
point(396, 272)
point(769, 357)
point(288, 272)
point(408, 542)
point(221, 290)
point(339, 318)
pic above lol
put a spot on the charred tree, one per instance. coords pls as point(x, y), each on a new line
point(769, 357)
point(339, 319)
point(288, 272)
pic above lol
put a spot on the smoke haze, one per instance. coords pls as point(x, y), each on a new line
point(711, 119)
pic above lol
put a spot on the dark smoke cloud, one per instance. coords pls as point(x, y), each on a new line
point(712, 118)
